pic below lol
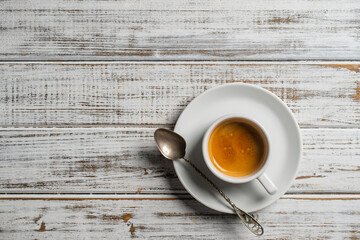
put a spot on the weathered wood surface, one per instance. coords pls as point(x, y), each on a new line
point(121, 103)
point(77, 94)
point(180, 30)
point(126, 160)
point(170, 217)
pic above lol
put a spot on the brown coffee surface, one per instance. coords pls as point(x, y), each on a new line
point(235, 148)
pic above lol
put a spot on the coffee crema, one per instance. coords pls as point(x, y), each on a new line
point(235, 148)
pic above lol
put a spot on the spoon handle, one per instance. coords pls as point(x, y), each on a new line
point(249, 221)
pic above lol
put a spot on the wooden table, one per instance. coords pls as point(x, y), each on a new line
point(84, 84)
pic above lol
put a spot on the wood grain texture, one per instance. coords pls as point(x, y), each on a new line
point(292, 217)
point(180, 30)
point(77, 94)
point(126, 160)
point(107, 180)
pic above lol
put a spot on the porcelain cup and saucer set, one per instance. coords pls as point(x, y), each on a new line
point(265, 112)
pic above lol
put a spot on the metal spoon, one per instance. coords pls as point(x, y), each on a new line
point(172, 146)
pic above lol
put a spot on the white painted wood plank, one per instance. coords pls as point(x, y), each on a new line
point(292, 217)
point(126, 160)
point(181, 30)
point(91, 93)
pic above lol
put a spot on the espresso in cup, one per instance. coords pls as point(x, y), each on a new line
point(236, 148)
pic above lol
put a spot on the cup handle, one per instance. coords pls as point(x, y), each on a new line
point(267, 184)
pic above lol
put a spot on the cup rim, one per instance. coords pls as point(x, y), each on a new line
point(211, 166)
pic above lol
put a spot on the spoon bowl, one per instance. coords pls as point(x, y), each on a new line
point(171, 145)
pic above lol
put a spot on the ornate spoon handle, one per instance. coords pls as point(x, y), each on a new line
point(249, 221)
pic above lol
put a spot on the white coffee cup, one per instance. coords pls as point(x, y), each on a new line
point(259, 174)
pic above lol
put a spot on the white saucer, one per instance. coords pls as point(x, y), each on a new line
point(254, 102)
